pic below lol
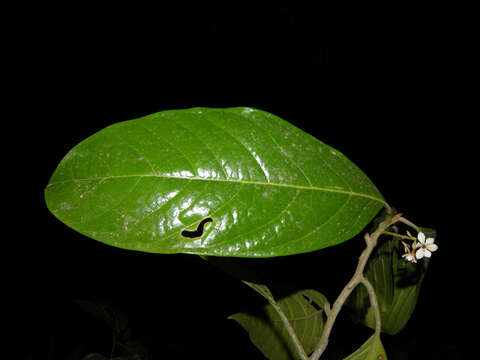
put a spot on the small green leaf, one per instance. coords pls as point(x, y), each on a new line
point(408, 278)
point(224, 182)
point(262, 290)
point(313, 296)
point(397, 285)
point(372, 349)
point(379, 272)
point(267, 332)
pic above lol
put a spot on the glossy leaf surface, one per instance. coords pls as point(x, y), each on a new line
point(224, 182)
point(267, 332)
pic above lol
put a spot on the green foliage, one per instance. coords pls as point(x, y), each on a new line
point(269, 188)
point(235, 182)
point(304, 310)
point(397, 285)
point(372, 349)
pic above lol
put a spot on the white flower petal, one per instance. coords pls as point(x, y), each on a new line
point(430, 240)
point(427, 253)
point(420, 252)
point(418, 245)
point(421, 237)
point(432, 247)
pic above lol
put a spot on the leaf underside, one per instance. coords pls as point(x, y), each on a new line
point(268, 333)
point(372, 349)
point(397, 284)
point(269, 188)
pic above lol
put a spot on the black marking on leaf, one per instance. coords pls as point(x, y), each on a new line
point(199, 231)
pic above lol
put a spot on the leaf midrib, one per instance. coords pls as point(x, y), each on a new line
point(251, 182)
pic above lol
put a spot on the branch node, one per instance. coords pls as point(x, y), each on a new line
point(357, 278)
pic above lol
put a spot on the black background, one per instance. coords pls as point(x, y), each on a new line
point(377, 84)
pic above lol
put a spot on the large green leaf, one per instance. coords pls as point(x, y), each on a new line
point(225, 182)
point(267, 331)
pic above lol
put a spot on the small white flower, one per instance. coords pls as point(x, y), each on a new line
point(409, 257)
point(425, 247)
point(409, 253)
